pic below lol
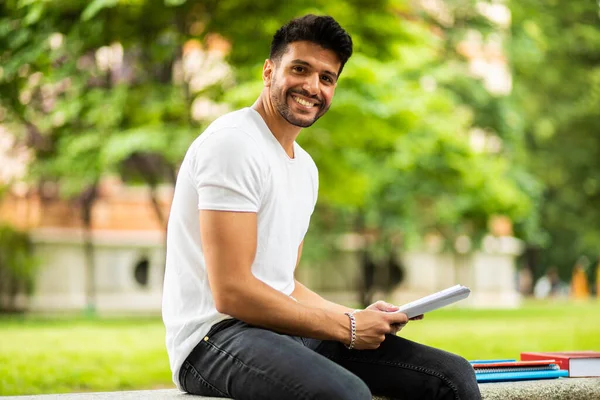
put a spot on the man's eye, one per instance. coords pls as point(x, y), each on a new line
point(298, 69)
point(327, 79)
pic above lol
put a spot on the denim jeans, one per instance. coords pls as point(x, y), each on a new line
point(242, 361)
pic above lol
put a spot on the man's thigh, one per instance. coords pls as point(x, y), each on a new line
point(403, 369)
point(246, 362)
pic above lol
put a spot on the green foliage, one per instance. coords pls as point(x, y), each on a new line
point(389, 150)
point(393, 151)
point(555, 58)
point(129, 354)
point(95, 7)
point(86, 119)
point(17, 267)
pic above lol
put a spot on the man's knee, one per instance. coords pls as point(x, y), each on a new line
point(458, 363)
point(346, 388)
point(462, 377)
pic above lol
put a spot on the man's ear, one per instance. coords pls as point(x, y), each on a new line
point(268, 72)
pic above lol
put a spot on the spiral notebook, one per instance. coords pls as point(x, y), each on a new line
point(520, 376)
point(513, 370)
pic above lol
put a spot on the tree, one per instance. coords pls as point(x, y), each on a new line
point(94, 95)
point(555, 57)
point(393, 152)
point(103, 87)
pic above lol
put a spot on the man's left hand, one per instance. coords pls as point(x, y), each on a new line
point(387, 307)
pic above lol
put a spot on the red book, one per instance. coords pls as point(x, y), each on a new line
point(578, 363)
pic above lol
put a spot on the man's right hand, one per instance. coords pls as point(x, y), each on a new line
point(373, 325)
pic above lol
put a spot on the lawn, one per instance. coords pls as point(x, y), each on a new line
point(81, 354)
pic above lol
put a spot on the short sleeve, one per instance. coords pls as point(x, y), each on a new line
point(315, 177)
point(228, 171)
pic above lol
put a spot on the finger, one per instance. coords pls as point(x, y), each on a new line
point(399, 327)
point(375, 306)
point(396, 328)
point(384, 306)
point(398, 318)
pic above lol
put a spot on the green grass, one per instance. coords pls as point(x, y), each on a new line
point(76, 355)
point(477, 334)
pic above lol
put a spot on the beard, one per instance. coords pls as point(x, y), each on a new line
point(279, 101)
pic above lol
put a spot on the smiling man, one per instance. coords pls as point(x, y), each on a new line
point(238, 324)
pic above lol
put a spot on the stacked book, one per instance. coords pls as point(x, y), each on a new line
point(579, 363)
point(513, 370)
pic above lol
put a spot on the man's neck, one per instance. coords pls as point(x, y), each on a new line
point(284, 132)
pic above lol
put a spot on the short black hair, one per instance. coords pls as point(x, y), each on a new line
point(321, 30)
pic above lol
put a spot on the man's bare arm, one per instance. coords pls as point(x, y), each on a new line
point(306, 296)
point(229, 243)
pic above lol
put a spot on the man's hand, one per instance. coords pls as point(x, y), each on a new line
point(373, 324)
point(387, 307)
point(383, 306)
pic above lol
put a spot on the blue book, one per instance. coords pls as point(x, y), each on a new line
point(520, 376)
point(552, 367)
point(492, 361)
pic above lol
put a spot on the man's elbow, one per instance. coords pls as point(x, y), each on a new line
point(228, 300)
point(231, 295)
point(222, 305)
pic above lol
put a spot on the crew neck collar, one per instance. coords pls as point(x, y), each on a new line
point(262, 125)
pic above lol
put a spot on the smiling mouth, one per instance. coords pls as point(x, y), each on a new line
point(303, 102)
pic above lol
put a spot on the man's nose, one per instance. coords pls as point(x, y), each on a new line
point(311, 84)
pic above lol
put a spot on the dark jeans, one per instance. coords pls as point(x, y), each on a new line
point(242, 361)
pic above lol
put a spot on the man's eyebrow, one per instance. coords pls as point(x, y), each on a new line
point(302, 62)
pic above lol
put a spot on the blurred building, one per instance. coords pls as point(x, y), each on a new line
point(488, 270)
point(128, 268)
point(128, 245)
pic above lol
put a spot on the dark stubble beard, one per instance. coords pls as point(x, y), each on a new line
point(284, 110)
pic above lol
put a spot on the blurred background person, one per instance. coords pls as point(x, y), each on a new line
point(550, 285)
point(579, 282)
point(525, 281)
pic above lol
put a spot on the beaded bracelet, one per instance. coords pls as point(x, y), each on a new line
point(352, 329)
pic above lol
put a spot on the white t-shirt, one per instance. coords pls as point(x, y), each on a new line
point(235, 165)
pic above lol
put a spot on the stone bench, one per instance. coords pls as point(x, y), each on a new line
point(550, 389)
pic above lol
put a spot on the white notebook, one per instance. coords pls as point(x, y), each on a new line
point(435, 301)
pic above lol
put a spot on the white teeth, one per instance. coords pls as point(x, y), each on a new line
point(302, 102)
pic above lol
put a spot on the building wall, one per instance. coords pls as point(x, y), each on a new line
point(63, 278)
point(491, 276)
point(118, 207)
point(126, 233)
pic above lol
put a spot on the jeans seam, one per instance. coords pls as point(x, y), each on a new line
point(183, 374)
point(202, 380)
point(446, 380)
point(257, 371)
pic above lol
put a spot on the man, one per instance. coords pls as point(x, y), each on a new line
point(238, 324)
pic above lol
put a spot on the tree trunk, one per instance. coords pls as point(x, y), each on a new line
point(147, 170)
point(88, 198)
point(367, 266)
